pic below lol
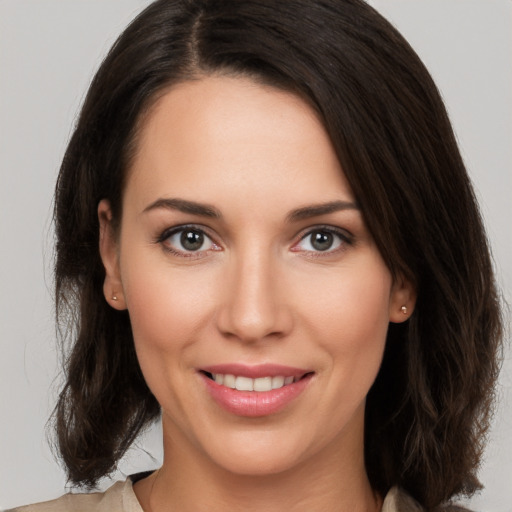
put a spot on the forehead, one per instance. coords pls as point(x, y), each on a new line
point(215, 134)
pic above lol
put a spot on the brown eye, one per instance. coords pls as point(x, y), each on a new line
point(321, 240)
point(191, 240)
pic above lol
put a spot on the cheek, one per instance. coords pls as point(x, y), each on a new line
point(353, 304)
point(350, 317)
point(167, 307)
point(168, 310)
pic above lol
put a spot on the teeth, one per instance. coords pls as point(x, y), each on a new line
point(263, 384)
point(244, 384)
point(277, 382)
point(229, 381)
point(247, 384)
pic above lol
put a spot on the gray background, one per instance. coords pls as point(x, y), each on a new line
point(48, 52)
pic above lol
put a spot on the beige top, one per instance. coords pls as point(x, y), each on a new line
point(121, 498)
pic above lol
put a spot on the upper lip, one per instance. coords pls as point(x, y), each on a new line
point(255, 371)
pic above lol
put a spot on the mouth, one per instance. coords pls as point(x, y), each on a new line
point(255, 390)
point(259, 384)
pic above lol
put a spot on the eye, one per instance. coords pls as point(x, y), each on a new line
point(186, 241)
point(322, 240)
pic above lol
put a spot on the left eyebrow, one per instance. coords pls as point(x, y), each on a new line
point(185, 206)
point(315, 210)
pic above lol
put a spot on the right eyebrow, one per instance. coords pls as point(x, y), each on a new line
point(316, 210)
point(185, 206)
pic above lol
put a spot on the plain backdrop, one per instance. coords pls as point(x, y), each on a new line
point(49, 50)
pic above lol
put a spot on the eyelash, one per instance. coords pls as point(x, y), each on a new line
point(344, 237)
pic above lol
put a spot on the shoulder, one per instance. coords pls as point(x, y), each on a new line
point(118, 498)
point(398, 500)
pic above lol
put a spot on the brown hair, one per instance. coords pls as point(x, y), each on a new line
point(428, 411)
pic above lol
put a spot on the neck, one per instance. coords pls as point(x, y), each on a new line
point(191, 482)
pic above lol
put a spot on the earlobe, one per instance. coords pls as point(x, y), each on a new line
point(403, 300)
point(108, 246)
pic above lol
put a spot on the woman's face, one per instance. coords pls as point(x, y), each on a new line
point(243, 256)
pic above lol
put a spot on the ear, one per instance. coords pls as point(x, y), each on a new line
point(402, 300)
point(109, 252)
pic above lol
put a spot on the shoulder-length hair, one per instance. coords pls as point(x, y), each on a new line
point(429, 408)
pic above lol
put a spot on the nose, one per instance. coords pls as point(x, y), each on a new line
point(255, 304)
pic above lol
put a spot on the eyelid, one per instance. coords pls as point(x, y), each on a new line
point(167, 232)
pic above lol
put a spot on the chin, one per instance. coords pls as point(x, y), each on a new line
point(262, 452)
point(261, 464)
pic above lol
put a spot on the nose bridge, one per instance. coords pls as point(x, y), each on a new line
point(254, 307)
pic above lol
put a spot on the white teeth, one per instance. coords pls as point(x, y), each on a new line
point(277, 382)
point(244, 384)
point(229, 381)
point(261, 384)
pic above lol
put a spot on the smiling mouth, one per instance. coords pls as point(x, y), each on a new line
point(261, 384)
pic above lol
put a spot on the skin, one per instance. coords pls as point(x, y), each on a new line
point(259, 292)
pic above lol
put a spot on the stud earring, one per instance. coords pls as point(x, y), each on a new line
point(404, 310)
point(114, 297)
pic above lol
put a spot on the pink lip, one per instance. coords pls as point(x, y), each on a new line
point(255, 403)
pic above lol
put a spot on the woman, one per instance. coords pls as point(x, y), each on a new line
point(268, 236)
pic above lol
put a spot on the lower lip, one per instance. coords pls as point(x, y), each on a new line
point(255, 403)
